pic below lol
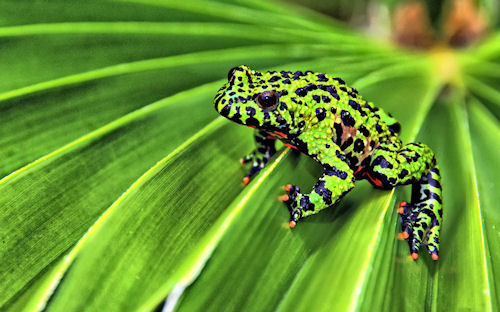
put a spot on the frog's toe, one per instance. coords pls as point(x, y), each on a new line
point(415, 241)
point(403, 235)
point(245, 160)
point(402, 205)
point(295, 215)
point(292, 190)
point(256, 167)
point(433, 240)
point(284, 198)
point(290, 200)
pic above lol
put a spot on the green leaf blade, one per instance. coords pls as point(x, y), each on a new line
point(141, 215)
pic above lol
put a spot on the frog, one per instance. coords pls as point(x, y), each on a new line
point(318, 115)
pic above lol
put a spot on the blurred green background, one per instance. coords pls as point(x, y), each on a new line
point(121, 187)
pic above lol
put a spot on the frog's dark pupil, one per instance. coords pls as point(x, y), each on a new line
point(267, 99)
point(231, 73)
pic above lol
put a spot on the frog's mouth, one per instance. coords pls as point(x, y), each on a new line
point(236, 109)
point(218, 98)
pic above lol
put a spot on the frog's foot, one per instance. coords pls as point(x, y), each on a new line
point(420, 226)
point(290, 200)
point(258, 162)
point(260, 156)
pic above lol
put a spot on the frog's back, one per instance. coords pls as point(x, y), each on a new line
point(337, 111)
point(339, 100)
point(348, 99)
point(313, 91)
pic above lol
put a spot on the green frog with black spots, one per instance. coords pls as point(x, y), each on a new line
point(322, 117)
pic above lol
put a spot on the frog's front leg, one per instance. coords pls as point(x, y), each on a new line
point(336, 180)
point(261, 155)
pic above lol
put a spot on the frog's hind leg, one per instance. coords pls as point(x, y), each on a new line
point(414, 163)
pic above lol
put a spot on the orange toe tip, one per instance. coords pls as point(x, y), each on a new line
point(284, 197)
point(401, 210)
point(435, 257)
point(403, 235)
point(402, 204)
point(292, 224)
point(414, 256)
point(246, 180)
point(288, 187)
point(242, 161)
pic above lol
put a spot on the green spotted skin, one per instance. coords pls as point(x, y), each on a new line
point(320, 116)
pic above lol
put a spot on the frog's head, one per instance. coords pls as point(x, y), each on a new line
point(258, 100)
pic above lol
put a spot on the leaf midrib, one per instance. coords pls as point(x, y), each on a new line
point(212, 239)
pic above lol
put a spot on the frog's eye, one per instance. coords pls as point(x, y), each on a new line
point(267, 99)
point(231, 73)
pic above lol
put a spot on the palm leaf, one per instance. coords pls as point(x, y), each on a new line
point(122, 190)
